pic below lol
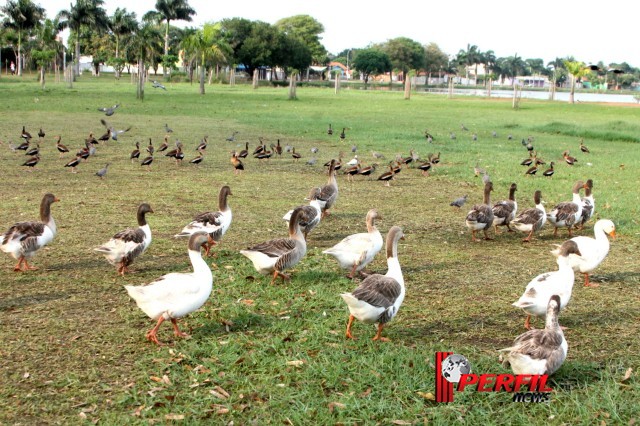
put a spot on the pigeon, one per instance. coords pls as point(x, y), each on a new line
point(462, 127)
point(314, 150)
point(474, 137)
point(113, 132)
point(452, 136)
point(103, 171)
point(156, 85)
point(459, 202)
point(377, 155)
point(109, 111)
point(167, 129)
point(354, 148)
point(494, 134)
point(232, 138)
point(510, 136)
point(312, 161)
point(41, 133)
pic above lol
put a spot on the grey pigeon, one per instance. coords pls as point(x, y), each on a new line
point(510, 136)
point(354, 148)
point(494, 134)
point(156, 85)
point(314, 150)
point(459, 202)
point(103, 171)
point(474, 137)
point(232, 138)
point(452, 135)
point(462, 127)
point(311, 161)
point(168, 129)
point(377, 155)
point(109, 111)
point(114, 133)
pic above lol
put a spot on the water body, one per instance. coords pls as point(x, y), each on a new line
point(530, 94)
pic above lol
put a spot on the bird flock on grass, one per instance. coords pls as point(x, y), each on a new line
point(377, 298)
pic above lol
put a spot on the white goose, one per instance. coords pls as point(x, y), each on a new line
point(594, 250)
point(536, 295)
point(379, 297)
point(23, 239)
point(539, 351)
point(312, 214)
point(126, 245)
point(214, 223)
point(175, 295)
point(358, 250)
point(274, 256)
point(568, 213)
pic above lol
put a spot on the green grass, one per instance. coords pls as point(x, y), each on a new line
point(73, 342)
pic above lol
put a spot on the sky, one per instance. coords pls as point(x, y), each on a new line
point(537, 29)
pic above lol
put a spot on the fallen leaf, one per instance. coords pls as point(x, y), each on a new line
point(401, 422)
point(427, 395)
point(632, 421)
point(247, 302)
point(217, 394)
point(155, 379)
point(296, 363)
point(138, 410)
point(222, 391)
point(82, 415)
point(165, 380)
point(333, 405)
point(174, 416)
point(365, 393)
point(26, 375)
point(627, 374)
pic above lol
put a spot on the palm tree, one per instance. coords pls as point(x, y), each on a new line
point(48, 46)
point(468, 58)
point(145, 42)
point(85, 14)
point(577, 70)
point(121, 23)
point(21, 16)
point(207, 45)
point(489, 61)
point(167, 11)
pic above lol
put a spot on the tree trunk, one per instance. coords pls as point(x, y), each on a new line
point(77, 55)
point(450, 87)
point(202, 71)
point(42, 77)
point(19, 58)
point(166, 49)
point(407, 87)
point(489, 84)
point(292, 86)
point(232, 76)
point(117, 57)
point(141, 75)
point(337, 83)
point(573, 89)
point(255, 79)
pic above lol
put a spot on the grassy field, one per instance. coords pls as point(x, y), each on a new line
point(73, 347)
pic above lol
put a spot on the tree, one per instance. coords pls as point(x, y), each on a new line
point(489, 61)
point(308, 31)
point(22, 16)
point(512, 66)
point(405, 54)
point(120, 24)
point(88, 15)
point(145, 45)
point(167, 11)
point(47, 46)
point(435, 60)
point(468, 58)
point(372, 61)
point(207, 46)
point(577, 70)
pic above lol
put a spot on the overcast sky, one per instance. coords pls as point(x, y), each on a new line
point(536, 29)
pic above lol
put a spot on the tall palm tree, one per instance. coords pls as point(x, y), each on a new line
point(207, 45)
point(85, 14)
point(21, 16)
point(468, 58)
point(167, 11)
point(122, 23)
point(145, 42)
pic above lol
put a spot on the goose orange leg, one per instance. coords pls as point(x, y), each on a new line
point(528, 239)
point(18, 267)
point(176, 330)
point(587, 283)
point(348, 334)
point(152, 334)
point(26, 265)
point(527, 323)
point(378, 335)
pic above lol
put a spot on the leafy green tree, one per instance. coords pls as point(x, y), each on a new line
point(512, 66)
point(121, 23)
point(308, 30)
point(435, 60)
point(167, 11)
point(22, 16)
point(47, 47)
point(208, 47)
point(372, 61)
point(405, 54)
point(145, 46)
point(468, 58)
point(291, 53)
point(85, 16)
point(577, 70)
point(489, 61)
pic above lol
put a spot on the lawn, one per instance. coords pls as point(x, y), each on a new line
point(73, 341)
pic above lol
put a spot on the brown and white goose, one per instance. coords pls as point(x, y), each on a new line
point(175, 295)
point(505, 211)
point(214, 223)
point(588, 204)
point(329, 192)
point(480, 217)
point(379, 297)
point(567, 214)
point(125, 246)
point(539, 351)
point(531, 220)
point(311, 214)
point(23, 239)
point(275, 256)
point(356, 251)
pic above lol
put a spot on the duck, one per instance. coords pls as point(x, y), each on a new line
point(197, 160)
point(583, 147)
point(435, 159)
point(23, 239)
point(150, 147)
point(202, 146)
point(243, 153)
point(531, 171)
point(343, 134)
point(215, 223)
point(329, 130)
point(569, 159)
point(351, 171)
point(387, 177)
point(311, 214)
point(505, 211)
point(531, 220)
point(60, 147)
point(594, 250)
point(238, 166)
point(277, 255)
point(424, 168)
point(538, 351)
point(568, 213)
point(175, 295)
point(378, 297)
point(164, 145)
point(91, 139)
point(25, 135)
point(74, 163)
point(536, 295)
point(480, 217)
point(147, 162)
point(329, 192)
point(588, 204)
point(32, 162)
point(260, 148)
point(41, 133)
point(33, 151)
point(278, 149)
point(295, 155)
point(125, 246)
point(368, 170)
point(550, 171)
point(356, 251)
point(135, 154)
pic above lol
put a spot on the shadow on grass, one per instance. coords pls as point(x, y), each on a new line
point(24, 301)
